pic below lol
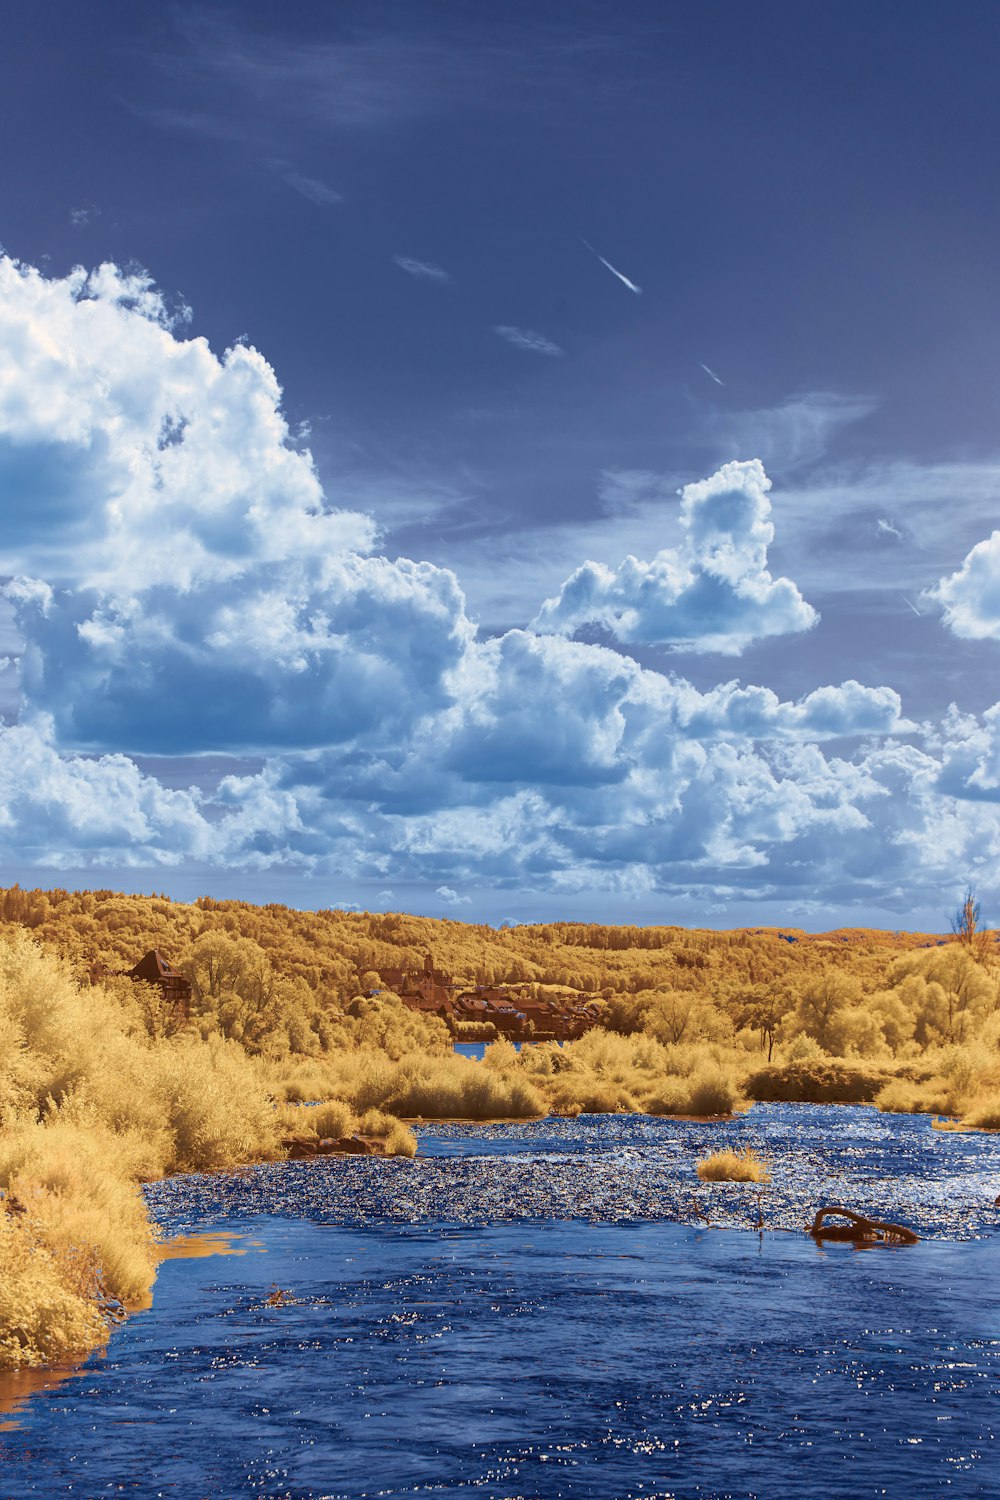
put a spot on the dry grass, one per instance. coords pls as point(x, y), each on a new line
point(734, 1166)
point(91, 1105)
point(984, 1114)
point(74, 1237)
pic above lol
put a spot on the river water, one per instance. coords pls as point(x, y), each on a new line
point(550, 1310)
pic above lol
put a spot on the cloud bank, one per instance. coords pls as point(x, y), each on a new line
point(183, 588)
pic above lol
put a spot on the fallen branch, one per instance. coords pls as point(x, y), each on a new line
point(861, 1230)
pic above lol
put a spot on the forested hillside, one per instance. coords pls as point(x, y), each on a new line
point(288, 977)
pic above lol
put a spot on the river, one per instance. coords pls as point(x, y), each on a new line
point(555, 1309)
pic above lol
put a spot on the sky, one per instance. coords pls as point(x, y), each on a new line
point(510, 463)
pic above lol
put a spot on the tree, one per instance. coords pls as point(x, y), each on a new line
point(764, 1008)
point(969, 928)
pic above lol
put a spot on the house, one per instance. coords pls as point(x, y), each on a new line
point(487, 1003)
point(174, 987)
point(427, 983)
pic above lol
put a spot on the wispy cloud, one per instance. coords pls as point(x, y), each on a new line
point(796, 432)
point(368, 82)
point(80, 217)
point(625, 281)
point(313, 188)
point(525, 338)
point(886, 528)
point(711, 374)
point(627, 491)
point(236, 81)
point(423, 270)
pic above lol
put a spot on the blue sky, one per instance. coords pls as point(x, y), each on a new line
point(505, 462)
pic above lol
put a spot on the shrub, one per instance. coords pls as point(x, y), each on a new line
point(734, 1166)
point(457, 1088)
point(713, 1092)
point(819, 1082)
point(331, 1120)
point(902, 1096)
point(984, 1114)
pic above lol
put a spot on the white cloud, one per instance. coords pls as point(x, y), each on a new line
point(712, 593)
point(423, 270)
point(68, 809)
point(182, 585)
point(525, 338)
point(970, 597)
point(175, 560)
point(551, 712)
point(338, 651)
point(130, 457)
point(452, 897)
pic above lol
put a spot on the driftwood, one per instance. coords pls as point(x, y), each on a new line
point(860, 1231)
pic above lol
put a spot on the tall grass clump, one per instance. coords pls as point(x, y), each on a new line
point(734, 1166)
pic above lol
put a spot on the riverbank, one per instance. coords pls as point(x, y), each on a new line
point(515, 1312)
point(105, 1085)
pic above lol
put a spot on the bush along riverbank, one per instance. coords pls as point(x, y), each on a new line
point(91, 1106)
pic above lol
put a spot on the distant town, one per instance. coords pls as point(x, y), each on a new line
point(510, 1010)
point(480, 1013)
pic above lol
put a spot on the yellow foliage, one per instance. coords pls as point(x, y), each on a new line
point(734, 1166)
point(91, 1104)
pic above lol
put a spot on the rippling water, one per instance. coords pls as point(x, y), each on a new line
point(512, 1315)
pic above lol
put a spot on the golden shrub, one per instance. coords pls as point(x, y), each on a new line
point(734, 1166)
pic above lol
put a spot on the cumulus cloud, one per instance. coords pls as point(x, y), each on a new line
point(452, 897)
point(968, 747)
point(289, 658)
point(970, 597)
point(712, 593)
point(69, 809)
point(130, 456)
point(180, 580)
point(183, 585)
point(615, 717)
point(525, 338)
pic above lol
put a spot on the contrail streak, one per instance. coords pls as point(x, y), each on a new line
point(916, 611)
point(711, 374)
point(613, 269)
